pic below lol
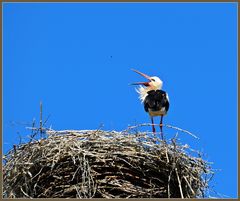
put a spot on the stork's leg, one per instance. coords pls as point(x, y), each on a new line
point(153, 128)
point(161, 126)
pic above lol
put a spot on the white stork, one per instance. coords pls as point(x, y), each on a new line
point(156, 101)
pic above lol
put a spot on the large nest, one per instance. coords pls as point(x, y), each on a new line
point(103, 164)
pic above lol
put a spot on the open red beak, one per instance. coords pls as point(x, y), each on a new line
point(144, 75)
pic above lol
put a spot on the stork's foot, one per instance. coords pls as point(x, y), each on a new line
point(153, 127)
point(161, 132)
point(161, 125)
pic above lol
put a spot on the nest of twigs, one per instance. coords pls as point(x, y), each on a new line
point(103, 164)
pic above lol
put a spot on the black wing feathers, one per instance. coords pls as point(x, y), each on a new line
point(155, 100)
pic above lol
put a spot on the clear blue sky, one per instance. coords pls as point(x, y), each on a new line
point(76, 58)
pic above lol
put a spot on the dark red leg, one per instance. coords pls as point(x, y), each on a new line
point(153, 128)
point(161, 126)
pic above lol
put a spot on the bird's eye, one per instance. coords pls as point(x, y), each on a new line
point(153, 80)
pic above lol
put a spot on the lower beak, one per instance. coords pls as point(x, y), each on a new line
point(141, 83)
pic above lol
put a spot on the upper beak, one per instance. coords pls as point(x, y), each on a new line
point(144, 75)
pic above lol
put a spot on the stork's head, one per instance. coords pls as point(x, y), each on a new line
point(153, 83)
